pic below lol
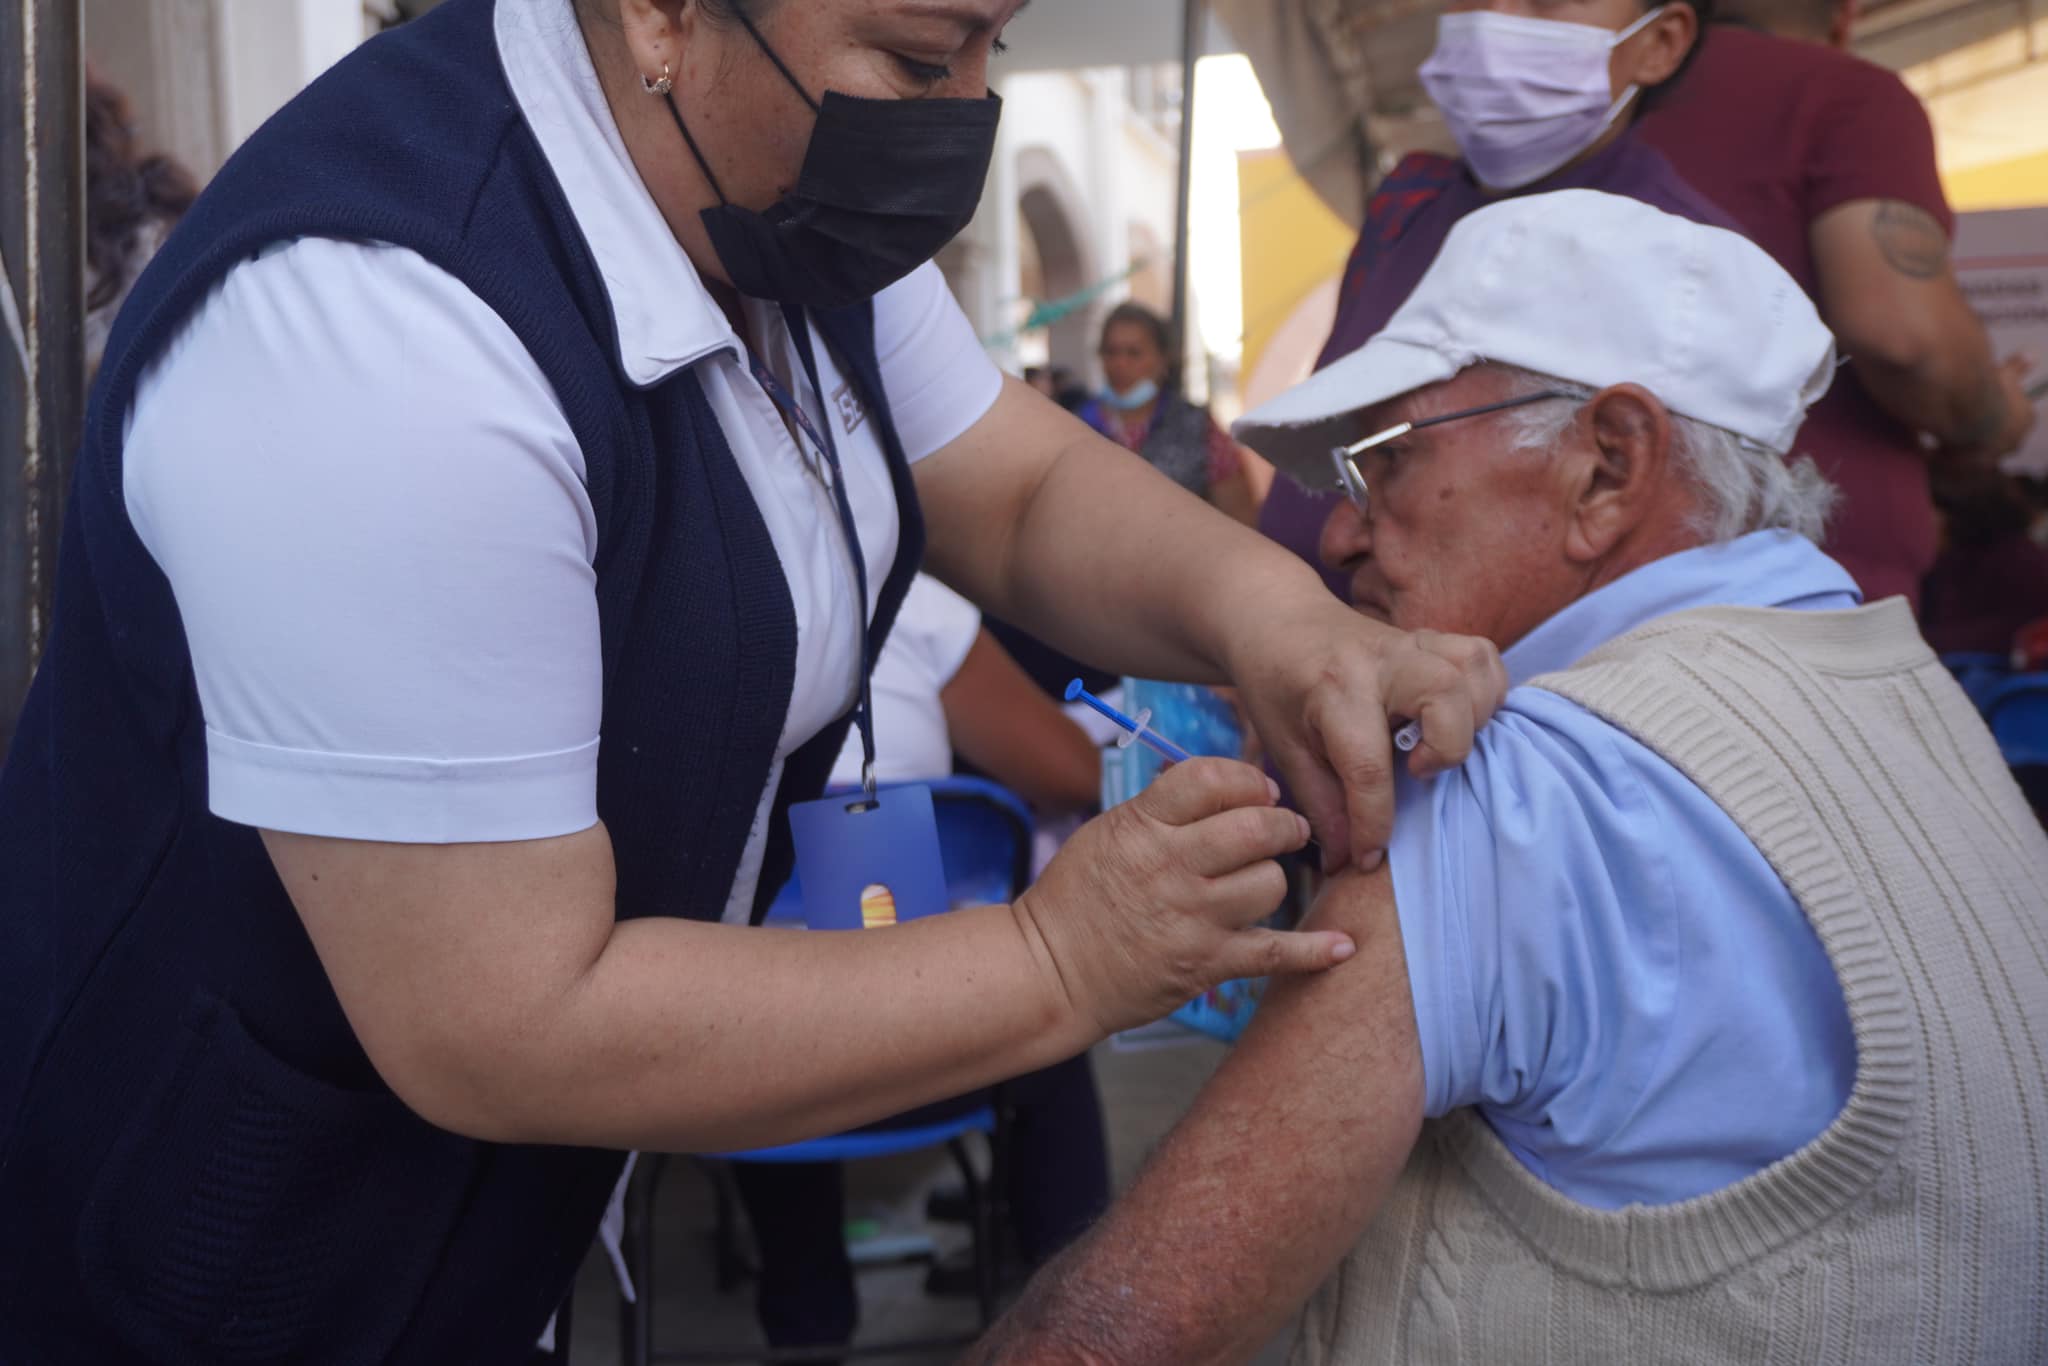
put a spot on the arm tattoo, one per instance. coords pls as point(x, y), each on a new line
point(1911, 239)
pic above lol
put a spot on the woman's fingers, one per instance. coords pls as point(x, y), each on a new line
point(1281, 953)
point(1247, 896)
point(1200, 788)
point(1230, 840)
point(1484, 678)
point(1359, 750)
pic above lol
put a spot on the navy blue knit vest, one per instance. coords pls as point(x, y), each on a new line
point(197, 1162)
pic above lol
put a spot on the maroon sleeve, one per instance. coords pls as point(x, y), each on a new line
point(1869, 138)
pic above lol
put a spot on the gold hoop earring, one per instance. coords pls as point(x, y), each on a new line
point(660, 87)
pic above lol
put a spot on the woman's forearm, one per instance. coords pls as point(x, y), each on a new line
point(1040, 515)
point(686, 1037)
point(496, 992)
point(499, 996)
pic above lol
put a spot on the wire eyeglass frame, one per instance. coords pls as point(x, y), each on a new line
point(1351, 480)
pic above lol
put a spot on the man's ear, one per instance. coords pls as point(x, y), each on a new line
point(1659, 50)
point(1844, 27)
point(1616, 483)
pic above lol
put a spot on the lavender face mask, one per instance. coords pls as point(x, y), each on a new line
point(1524, 96)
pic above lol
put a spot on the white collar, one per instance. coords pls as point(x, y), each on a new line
point(665, 317)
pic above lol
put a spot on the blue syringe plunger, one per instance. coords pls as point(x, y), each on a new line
point(1137, 729)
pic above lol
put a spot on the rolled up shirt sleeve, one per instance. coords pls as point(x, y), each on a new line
point(1538, 916)
point(371, 511)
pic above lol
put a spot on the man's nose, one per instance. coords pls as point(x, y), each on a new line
point(1346, 537)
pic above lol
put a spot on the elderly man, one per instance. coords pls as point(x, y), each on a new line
point(1700, 1016)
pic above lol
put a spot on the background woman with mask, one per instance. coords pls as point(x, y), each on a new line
point(1540, 95)
point(1143, 410)
point(549, 370)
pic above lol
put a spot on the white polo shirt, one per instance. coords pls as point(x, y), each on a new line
point(934, 631)
point(371, 506)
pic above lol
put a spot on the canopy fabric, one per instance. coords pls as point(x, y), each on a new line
point(1340, 75)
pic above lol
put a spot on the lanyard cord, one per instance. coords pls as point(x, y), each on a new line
point(864, 713)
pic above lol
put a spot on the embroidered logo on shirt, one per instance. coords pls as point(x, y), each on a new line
point(852, 412)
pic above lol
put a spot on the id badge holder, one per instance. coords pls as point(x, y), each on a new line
point(865, 865)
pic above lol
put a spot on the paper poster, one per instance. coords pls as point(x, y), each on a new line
point(2002, 264)
point(1200, 722)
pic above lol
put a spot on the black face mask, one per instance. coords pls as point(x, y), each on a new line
point(885, 184)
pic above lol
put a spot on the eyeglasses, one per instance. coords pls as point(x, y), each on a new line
point(1351, 481)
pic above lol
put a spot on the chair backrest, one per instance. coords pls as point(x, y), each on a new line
point(2018, 712)
point(985, 835)
point(1980, 675)
point(985, 840)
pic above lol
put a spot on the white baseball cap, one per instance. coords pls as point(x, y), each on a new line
point(1592, 288)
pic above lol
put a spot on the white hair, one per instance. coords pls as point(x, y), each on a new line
point(1742, 486)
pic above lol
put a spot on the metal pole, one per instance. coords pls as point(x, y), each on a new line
point(1190, 51)
point(42, 380)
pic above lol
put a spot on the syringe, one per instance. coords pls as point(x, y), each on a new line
point(1137, 729)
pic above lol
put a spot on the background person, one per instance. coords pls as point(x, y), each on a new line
point(493, 493)
point(1539, 98)
point(1827, 162)
point(1142, 409)
point(1657, 962)
point(133, 198)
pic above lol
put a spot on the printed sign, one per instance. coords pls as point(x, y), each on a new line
point(2002, 264)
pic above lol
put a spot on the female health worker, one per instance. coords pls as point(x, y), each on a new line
point(549, 370)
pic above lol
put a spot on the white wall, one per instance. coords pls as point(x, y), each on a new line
point(1112, 169)
point(271, 49)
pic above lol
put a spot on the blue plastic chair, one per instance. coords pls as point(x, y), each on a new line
point(2018, 712)
point(1980, 674)
point(985, 835)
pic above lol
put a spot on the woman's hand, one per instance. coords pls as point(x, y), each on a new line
point(1157, 900)
point(1047, 525)
point(1322, 685)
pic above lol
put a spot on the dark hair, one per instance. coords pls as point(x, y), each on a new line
point(1704, 12)
point(124, 191)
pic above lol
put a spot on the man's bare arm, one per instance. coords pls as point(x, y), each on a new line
point(1889, 292)
point(1261, 1189)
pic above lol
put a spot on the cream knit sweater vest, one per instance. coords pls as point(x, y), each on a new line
point(1915, 1228)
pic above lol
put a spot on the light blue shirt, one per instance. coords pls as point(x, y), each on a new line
point(1602, 962)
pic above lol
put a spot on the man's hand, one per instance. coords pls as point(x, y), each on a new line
point(2010, 417)
point(1155, 901)
point(1322, 684)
